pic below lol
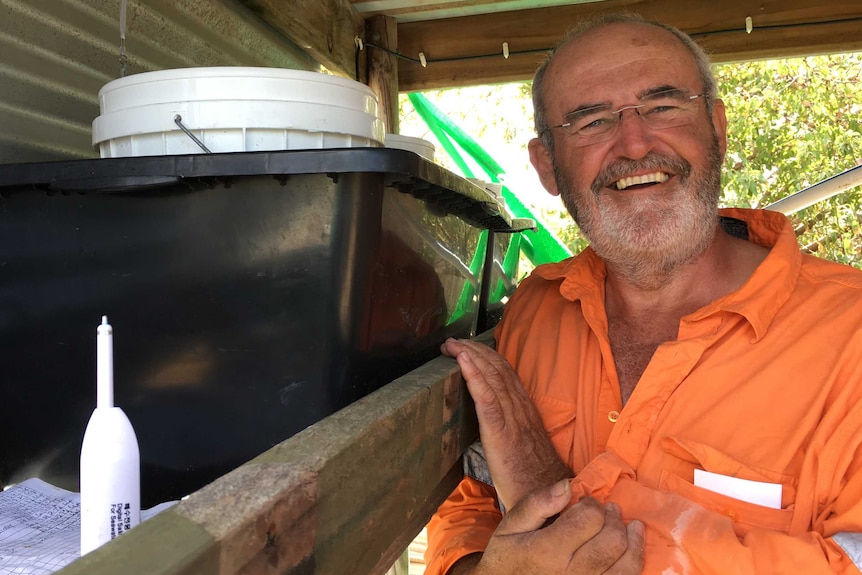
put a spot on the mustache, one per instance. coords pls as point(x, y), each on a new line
point(652, 162)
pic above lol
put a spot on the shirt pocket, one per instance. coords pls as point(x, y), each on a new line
point(558, 418)
point(682, 457)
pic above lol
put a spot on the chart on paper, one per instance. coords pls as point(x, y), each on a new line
point(40, 527)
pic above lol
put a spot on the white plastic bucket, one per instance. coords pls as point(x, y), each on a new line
point(234, 109)
point(419, 146)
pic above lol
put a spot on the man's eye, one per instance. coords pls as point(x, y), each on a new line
point(662, 109)
point(596, 124)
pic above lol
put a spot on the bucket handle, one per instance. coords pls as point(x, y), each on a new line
point(178, 120)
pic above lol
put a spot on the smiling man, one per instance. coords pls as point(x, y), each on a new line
point(684, 396)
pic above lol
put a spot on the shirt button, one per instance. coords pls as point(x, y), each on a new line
point(613, 416)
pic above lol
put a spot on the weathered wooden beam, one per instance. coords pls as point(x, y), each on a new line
point(382, 35)
point(345, 495)
point(781, 28)
point(325, 29)
point(784, 42)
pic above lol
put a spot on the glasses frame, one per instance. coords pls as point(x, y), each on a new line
point(619, 112)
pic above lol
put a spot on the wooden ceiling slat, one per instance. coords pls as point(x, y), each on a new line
point(800, 40)
point(413, 10)
point(781, 28)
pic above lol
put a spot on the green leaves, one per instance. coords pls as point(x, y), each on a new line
point(792, 123)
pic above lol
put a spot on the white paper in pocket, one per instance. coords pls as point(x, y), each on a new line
point(757, 492)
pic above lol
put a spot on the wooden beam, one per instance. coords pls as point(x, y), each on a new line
point(783, 42)
point(413, 10)
point(346, 495)
point(381, 31)
point(325, 29)
point(781, 28)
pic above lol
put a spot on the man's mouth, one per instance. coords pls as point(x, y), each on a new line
point(646, 179)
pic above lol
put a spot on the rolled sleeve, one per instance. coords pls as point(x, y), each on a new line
point(462, 525)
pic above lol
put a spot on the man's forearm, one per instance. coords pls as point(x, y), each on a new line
point(465, 565)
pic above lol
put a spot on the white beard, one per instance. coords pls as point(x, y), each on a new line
point(645, 238)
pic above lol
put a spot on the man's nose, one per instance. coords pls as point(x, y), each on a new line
point(633, 138)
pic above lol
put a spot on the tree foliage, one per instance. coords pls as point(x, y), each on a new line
point(791, 123)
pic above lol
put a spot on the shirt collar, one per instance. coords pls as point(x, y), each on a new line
point(758, 300)
point(772, 283)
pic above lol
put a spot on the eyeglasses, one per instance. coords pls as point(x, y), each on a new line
point(659, 111)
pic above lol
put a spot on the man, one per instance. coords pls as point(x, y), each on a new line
point(685, 345)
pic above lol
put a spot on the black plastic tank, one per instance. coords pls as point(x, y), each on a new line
point(251, 295)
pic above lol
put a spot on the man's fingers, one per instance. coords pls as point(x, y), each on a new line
point(536, 508)
point(481, 352)
point(490, 355)
point(596, 551)
point(477, 382)
point(632, 561)
point(484, 381)
point(582, 521)
point(484, 355)
point(499, 374)
point(488, 369)
point(451, 347)
point(484, 395)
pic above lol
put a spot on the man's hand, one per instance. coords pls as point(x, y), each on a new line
point(586, 539)
point(521, 457)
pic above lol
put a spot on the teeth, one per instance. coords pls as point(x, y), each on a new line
point(654, 178)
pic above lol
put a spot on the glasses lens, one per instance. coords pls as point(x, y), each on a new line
point(595, 124)
point(668, 109)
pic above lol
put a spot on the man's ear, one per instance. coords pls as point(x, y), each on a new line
point(540, 157)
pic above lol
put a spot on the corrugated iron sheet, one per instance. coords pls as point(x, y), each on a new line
point(55, 55)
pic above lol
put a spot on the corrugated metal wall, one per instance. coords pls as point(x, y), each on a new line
point(55, 55)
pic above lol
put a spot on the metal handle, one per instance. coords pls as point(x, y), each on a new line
point(178, 120)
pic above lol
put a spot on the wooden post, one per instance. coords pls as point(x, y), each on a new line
point(383, 67)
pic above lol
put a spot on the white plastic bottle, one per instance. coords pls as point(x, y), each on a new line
point(110, 459)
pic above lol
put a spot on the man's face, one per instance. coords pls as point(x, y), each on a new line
point(642, 195)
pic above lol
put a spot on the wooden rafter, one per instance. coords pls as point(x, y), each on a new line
point(780, 28)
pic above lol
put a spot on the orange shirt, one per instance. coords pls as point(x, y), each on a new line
point(764, 384)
